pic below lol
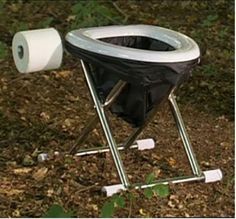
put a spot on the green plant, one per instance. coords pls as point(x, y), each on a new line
point(2, 3)
point(18, 26)
point(161, 190)
point(3, 50)
point(45, 22)
point(93, 13)
point(118, 201)
point(224, 32)
point(56, 211)
point(108, 209)
point(209, 70)
point(210, 20)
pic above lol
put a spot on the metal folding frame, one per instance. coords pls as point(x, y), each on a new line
point(198, 174)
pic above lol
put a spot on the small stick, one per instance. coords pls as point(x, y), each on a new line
point(86, 188)
point(120, 11)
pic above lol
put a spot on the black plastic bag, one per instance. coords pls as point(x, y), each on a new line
point(148, 82)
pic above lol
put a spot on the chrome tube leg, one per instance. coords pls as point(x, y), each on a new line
point(83, 136)
point(184, 136)
point(94, 120)
point(106, 129)
point(138, 130)
point(114, 93)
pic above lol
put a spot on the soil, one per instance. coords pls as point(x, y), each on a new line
point(46, 112)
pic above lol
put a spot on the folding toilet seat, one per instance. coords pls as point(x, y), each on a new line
point(130, 70)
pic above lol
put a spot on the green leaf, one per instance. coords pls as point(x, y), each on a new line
point(107, 210)
point(22, 26)
point(161, 190)
point(56, 211)
point(3, 50)
point(2, 3)
point(150, 178)
point(131, 196)
point(209, 70)
point(45, 23)
point(210, 20)
point(94, 13)
point(119, 201)
point(78, 7)
point(18, 26)
point(148, 193)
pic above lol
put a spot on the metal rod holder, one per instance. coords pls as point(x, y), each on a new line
point(184, 136)
point(103, 149)
point(106, 128)
point(94, 120)
point(112, 189)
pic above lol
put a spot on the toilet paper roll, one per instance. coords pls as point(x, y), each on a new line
point(37, 50)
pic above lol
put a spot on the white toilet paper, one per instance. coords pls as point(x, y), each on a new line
point(37, 50)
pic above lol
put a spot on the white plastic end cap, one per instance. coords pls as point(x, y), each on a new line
point(213, 175)
point(42, 157)
point(113, 189)
point(144, 144)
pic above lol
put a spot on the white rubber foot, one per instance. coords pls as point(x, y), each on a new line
point(42, 157)
point(213, 175)
point(113, 189)
point(144, 144)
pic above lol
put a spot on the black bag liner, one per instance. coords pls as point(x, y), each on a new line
point(148, 82)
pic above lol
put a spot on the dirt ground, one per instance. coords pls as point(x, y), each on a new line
point(46, 111)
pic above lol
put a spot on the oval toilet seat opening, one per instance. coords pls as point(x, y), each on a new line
point(138, 42)
point(92, 39)
point(167, 36)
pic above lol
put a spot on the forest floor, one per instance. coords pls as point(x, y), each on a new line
point(46, 111)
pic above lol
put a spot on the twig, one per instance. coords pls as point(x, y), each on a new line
point(120, 11)
point(86, 188)
point(130, 207)
point(23, 76)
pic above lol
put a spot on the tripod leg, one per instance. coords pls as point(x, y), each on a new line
point(83, 136)
point(106, 128)
point(94, 120)
point(184, 136)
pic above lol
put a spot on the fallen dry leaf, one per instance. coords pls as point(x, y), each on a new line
point(156, 172)
point(10, 191)
point(92, 207)
point(23, 170)
point(45, 116)
point(16, 213)
point(71, 18)
point(171, 204)
point(50, 192)
point(142, 212)
point(21, 111)
point(40, 174)
point(67, 123)
point(172, 161)
point(225, 144)
point(46, 77)
point(63, 74)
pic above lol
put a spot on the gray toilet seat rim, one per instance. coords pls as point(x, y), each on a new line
point(186, 49)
